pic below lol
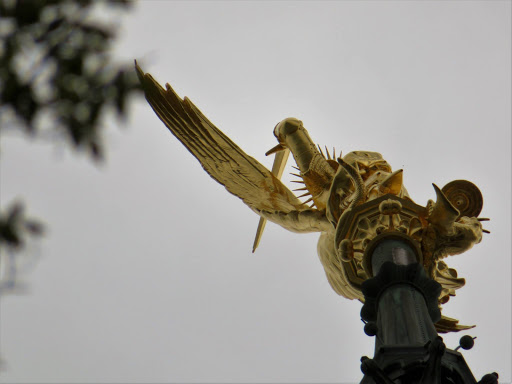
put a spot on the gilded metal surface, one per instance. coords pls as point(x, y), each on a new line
point(354, 199)
point(465, 196)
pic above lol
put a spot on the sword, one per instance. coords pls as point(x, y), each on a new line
point(280, 160)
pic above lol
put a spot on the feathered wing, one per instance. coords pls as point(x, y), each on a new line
point(242, 175)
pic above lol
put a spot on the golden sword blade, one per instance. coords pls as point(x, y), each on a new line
point(277, 169)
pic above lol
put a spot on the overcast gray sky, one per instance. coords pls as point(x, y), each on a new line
point(147, 274)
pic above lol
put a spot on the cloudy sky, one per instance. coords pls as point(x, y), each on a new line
point(147, 275)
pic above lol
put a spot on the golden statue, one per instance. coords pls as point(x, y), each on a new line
point(355, 199)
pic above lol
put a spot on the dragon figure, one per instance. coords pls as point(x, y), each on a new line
point(354, 199)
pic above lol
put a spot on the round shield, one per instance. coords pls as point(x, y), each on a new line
point(465, 196)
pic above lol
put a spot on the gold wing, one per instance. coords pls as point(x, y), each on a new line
point(224, 161)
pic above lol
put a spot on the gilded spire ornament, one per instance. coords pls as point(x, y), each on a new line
point(353, 201)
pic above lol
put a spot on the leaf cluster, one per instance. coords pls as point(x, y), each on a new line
point(15, 226)
point(58, 80)
point(56, 72)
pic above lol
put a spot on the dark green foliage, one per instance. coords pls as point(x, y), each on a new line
point(14, 227)
point(54, 61)
point(58, 80)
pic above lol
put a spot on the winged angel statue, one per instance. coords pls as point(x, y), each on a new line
point(354, 199)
